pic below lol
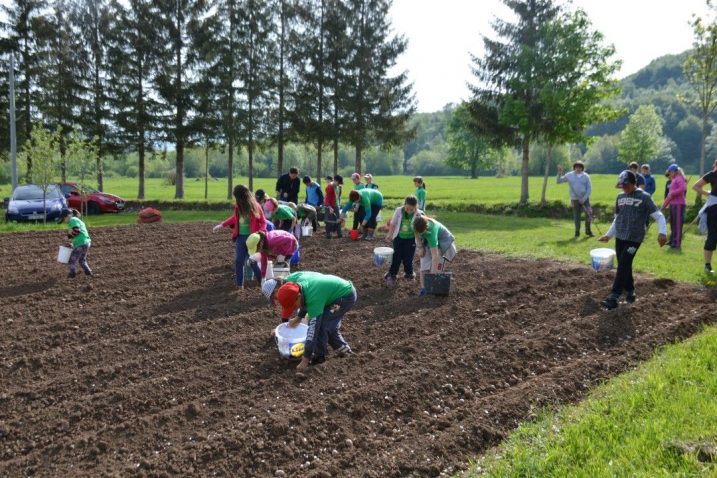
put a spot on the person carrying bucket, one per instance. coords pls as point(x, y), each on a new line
point(632, 207)
point(400, 232)
point(80, 242)
point(326, 299)
point(247, 219)
point(434, 236)
point(275, 245)
point(580, 188)
point(371, 201)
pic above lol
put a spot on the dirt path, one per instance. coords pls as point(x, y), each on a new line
point(158, 367)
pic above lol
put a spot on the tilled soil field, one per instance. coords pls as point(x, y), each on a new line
point(159, 367)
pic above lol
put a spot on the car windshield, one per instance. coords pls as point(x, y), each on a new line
point(33, 192)
point(87, 189)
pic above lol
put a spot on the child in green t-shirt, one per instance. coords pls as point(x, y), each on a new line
point(80, 242)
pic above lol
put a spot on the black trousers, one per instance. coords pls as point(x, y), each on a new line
point(358, 216)
point(625, 252)
point(403, 252)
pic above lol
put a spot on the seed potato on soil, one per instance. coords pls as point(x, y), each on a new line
point(158, 366)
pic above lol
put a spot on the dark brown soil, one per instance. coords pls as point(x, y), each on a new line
point(159, 367)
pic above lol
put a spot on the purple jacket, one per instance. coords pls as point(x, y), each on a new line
point(278, 243)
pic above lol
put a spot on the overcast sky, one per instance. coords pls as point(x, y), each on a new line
point(441, 33)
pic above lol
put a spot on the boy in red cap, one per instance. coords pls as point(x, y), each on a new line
point(326, 298)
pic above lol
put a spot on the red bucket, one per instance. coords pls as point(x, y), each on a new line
point(354, 234)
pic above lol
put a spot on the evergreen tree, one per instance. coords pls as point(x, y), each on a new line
point(23, 20)
point(62, 65)
point(92, 19)
point(175, 23)
point(131, 61)
point(506, 105)
point(310, 120)
point(378, 106)
point(256, 51)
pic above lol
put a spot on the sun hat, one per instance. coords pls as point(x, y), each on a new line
point(252, 241)
point(267, 288)
point(356, 176)
point(578, 163)
point(286, 296)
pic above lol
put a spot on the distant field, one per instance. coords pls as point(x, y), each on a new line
point(440, 190)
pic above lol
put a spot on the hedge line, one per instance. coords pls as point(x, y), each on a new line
point(554, 209)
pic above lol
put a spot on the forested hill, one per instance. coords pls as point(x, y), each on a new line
point(661, 83)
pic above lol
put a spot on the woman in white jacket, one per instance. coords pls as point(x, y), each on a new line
point(400, 232)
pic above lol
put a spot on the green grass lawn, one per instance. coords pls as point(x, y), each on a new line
point(440, 190)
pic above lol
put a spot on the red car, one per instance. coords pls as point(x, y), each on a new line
point(97, 202)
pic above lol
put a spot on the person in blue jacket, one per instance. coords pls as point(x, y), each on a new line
point(650, 185)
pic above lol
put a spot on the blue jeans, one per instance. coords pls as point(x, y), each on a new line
point(326, 328)
point(240, 258)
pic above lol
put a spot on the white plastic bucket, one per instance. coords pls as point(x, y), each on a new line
point(307, 231)
point(63, 255)
point(290, 341)
point(281, 270)
point(382, 255)
point(602, 259)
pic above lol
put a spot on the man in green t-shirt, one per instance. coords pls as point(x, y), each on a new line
point(77, 232)
point(326, 299)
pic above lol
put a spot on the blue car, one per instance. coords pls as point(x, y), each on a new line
point(26, 204)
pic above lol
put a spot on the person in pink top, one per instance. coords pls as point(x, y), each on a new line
point(275, 245)
point(248, 218)
point(676, 200)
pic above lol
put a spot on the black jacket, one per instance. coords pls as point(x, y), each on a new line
point(288, 189)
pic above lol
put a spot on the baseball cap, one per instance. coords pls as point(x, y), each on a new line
point(356, 176)
point(626, 177)
point(267, 288)
point(259, 194)
point(251, 242)
point(367, 176)
point(672, 167)
point(286, 296)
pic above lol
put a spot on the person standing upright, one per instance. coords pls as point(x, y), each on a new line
point(650, 185)
point(287, 186)
point(580, 188)
point(710, 214)
point(632, 207)
point(676, 200)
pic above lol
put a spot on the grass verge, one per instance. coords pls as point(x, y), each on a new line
point(657, 421)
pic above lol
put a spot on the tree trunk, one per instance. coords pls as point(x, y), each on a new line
point(230, 166)
point(359, 152)
point(702, 146)
point(336, 155)
point(206, 170)
point(280, 138)
point(140, 168)
point(524, 171)
point(545, 175)
point(179, 121)
point(319, 147)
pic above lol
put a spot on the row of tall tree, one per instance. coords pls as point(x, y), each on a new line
point(136, 74)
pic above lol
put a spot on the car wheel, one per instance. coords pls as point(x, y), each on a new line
point(93, 208)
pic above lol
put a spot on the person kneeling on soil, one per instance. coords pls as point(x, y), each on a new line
point(81, 242)
point(370, 200)
point(434, 236)
point(275, 245)
point(632, 208)
point(400, 232)
point(326, 299)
